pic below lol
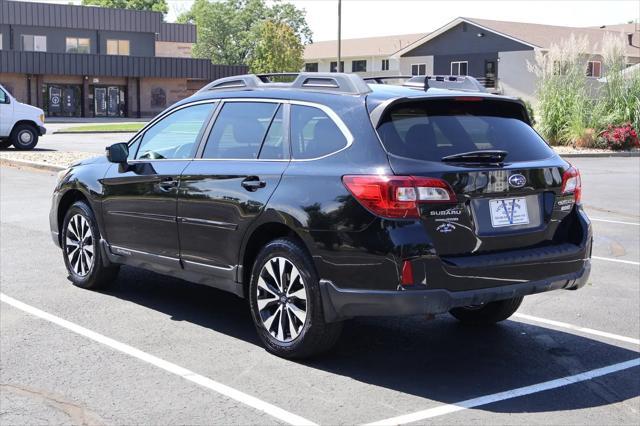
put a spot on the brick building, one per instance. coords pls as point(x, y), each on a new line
point(83, 61)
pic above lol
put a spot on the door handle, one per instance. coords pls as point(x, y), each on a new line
point(167, 183)
point(253, 183)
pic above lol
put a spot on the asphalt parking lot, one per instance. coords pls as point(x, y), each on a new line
point(155, 350)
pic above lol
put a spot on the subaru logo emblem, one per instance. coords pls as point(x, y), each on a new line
point(517, 181)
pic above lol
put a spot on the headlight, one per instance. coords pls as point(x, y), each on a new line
point(42, 118)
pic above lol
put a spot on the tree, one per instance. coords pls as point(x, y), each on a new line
point(278, 49)
point(153, 5)
point(229, 30)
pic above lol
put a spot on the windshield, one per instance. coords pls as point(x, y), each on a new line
point(433, 129)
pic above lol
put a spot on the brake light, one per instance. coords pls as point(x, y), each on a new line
point(397, 197)
point(572, 184)
point(468, 98)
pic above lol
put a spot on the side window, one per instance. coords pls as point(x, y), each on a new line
point(239, 130)
point(4, 99)
point(275, 145)
point(313, 133)
point(175, 136)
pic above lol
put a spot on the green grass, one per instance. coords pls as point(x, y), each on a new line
point(115, 127)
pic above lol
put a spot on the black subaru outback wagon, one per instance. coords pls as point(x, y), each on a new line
point(327, 198)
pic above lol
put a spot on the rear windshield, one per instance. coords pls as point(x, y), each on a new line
point(430, 130)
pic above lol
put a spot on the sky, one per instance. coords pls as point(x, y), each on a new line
point(369, 18)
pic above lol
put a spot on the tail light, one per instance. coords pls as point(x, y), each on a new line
point(397, 197)
point(572, 184)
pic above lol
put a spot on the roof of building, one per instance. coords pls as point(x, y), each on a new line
point(94, 18)
point(360, 47)
point(542, 36)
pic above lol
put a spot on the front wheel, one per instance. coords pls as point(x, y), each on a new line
point(24, 137)
point(81, 249)
point(284, 295)
point(489, 313)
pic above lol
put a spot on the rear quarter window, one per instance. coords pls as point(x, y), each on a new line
point(313, 133)
point(430, 130)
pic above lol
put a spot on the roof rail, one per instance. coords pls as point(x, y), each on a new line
point(380, 79)
point(332, 82)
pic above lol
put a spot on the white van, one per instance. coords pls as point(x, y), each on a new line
point(20, 124)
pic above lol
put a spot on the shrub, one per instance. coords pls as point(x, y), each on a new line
point(618, 138)
point(562, 90)
point(570, 112)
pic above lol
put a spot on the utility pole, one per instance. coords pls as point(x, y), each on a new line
point(338, 67)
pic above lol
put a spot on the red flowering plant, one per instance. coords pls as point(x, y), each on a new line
point(618, 138)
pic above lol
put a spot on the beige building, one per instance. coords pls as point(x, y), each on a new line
point(366, 56)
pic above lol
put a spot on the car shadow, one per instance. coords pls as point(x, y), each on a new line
point(440, 360)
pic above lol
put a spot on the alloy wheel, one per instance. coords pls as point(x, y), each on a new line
point(79, 245)
point(282, 299)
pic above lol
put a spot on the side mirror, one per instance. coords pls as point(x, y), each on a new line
point(118, 153)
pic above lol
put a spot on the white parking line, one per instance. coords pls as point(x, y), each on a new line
point(577, 328)
point(613, 221)
point(501, 396)
point(608, 259)
point(225, 390)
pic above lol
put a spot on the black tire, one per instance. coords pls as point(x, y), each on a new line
point(5, 143)
point(24, 137)
point(315, 335)
point(98, 273)
point(490, 313)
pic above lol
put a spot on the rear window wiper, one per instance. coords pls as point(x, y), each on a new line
point(481, 156)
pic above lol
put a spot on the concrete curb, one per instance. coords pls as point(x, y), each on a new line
point(600, 154)
point(32, 164)
point(62, 132)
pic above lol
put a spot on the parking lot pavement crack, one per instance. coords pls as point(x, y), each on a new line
point(77, 414)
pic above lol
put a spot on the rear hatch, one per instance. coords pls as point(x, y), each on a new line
point(508, 183)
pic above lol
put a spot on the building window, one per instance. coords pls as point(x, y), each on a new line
point(459, 68)
point(359, 66)
point(334, 66)
point(311, 67)
point(78, 45)
point(594, 69)
point(118, 47)
point(0, 41)
point(158, 98)
point(34, 43)
point(419, 69)
point(385, 65)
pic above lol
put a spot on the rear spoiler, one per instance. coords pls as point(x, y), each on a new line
point(378, 112)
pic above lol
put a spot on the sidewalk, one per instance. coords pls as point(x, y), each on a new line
point(95, 120)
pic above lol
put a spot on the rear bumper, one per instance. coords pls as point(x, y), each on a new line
point(341, 304)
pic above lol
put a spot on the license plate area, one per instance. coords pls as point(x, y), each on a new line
point(508, 212)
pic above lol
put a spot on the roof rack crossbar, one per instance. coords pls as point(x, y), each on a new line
point(380, 79)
